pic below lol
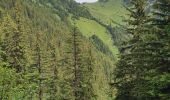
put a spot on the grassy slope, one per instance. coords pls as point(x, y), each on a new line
point(90, 27)
point(114, 10)
point(111, 10)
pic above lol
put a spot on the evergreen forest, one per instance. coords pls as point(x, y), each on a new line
point(67, 50)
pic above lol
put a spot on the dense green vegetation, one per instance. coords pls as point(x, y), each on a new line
point(63, 50)
point(43, 55)
point(88, 29)
point(143, 70)
point(108, 11)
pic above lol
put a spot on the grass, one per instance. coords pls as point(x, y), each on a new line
point(111, 10)
point(90, 27)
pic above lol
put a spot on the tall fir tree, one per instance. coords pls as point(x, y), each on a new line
point(77, 67)
point(88, 71)
point(7, 27)
point(143, 71)
point(17, 51)
point(37, 66)
point(130, 69)
point(53, 65)
point(161, 21)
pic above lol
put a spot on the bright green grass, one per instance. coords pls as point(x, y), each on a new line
point(90, 27)
point(112, 10)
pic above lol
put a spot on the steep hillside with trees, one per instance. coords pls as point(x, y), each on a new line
point(44, 56)
point(64, 50)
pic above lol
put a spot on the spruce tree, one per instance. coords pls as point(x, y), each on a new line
point(53, 65)
point(161, 22)
point(129, 70)
point(7, 27)
point(88, 72)
point(37, 67)
point(66, 62)
point(17, 49)
point(143, 70)
point(77, 60)
point(76, 66)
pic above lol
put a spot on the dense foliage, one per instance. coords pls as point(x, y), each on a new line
point(46, 55)
point(143, 70)
point(43, 56)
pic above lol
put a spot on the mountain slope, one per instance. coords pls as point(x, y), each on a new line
point(91, 27)
point(49, 21)
point(108, 11)
point(105, 17)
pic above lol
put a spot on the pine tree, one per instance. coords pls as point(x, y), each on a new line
point(88, 72)
point(53, 64)
point(17, 49)
point(76, 66)
point(83, 67)
point(66, 62)
point(78, 72)
point(144, 70)
point(36, 70)
point(161, 21)
point(7, 27)
point(129, 71)
point(39, 65)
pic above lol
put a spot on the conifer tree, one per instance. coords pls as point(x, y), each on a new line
point(161, 22)
point(66, 61)
point(88, 72)
point(53, 64)
point(129, 71)
point(36, 75)
point(83, 67)
point(7, 27)
point(17, 49)
point(78, 93)
point(39, 65)
point(144, 70)
point(76, 67)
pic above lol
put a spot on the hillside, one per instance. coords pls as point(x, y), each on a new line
point(91, 27)
point(109, 11)
point(36, 50)
point(64, 50)
point(106, 16)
